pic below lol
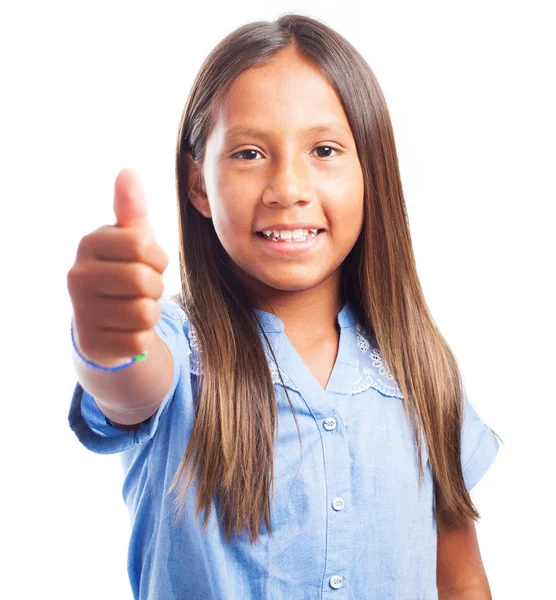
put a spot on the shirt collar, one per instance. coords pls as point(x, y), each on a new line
point(359, 364)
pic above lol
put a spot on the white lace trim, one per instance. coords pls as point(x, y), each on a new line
point(378, 375)
point(194, 358)
point(180, 314)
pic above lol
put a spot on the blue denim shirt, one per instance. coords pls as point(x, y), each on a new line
point(350, 521)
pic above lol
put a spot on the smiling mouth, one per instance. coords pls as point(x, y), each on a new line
point(286, 236)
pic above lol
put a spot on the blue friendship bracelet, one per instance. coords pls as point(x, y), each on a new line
point(93, 365)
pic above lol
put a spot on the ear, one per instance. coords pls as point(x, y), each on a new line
point(196, 185)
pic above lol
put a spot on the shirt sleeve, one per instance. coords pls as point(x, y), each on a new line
point(90, 425)
point(479, 446)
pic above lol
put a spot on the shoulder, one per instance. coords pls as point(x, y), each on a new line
point(175, 320)
point(479, 444)
point(173, 308)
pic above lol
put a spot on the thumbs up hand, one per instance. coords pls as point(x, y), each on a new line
point(117, 279)
point(130, 206)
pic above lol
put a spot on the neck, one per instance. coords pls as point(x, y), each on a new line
point(310, 314)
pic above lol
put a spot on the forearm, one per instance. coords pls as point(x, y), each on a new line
point(478, 591)
point(132, 394)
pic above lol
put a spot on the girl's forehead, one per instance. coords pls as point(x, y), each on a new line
point(275, 84)
point(273, 99)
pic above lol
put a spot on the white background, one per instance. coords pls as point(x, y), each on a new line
point(91, 88)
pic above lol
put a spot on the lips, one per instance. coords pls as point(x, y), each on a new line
point(290, 226)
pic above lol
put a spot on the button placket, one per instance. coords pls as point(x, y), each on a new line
point(326, 408)
point(338, 523)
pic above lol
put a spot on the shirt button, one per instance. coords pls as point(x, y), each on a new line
point(338, 503)
point(330, 423)
point(336, 581)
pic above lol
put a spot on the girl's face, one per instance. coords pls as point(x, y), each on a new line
point(281, 172)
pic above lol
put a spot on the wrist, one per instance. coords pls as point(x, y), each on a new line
point(111, 364)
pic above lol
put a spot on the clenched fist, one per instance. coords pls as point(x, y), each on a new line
point(116, 280)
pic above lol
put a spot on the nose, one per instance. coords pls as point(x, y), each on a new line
point(289, 184)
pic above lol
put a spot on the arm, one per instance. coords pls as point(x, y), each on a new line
point(460, 574)
point(131, 395)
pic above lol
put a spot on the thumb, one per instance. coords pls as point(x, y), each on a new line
point(130, 204)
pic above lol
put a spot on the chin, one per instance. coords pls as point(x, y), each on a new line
point(287, 283)
point(287, 279)
point(288, 286)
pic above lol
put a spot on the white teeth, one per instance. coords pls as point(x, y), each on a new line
point(297, 235)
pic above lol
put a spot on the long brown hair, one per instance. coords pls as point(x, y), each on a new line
point(231, 448)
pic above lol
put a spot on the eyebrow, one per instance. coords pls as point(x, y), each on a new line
point(318, 128)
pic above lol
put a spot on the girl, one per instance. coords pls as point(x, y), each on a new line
point(311, 410)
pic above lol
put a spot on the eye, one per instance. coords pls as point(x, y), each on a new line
point(243, 152)
point(329, 148)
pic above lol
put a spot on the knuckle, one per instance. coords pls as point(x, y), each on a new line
point(154, 312)
point(74, 278)
point(160, 287)
point(82, 244)
point(141, 278)
point(85, 243)
point(149, 313)
point(139, 246)
point(70, 277)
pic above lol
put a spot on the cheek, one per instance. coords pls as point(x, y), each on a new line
point(345, 195)
point(228, 204)
point(231, 230)
point(347, 217)
point(233, 205)
point(232, 219)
